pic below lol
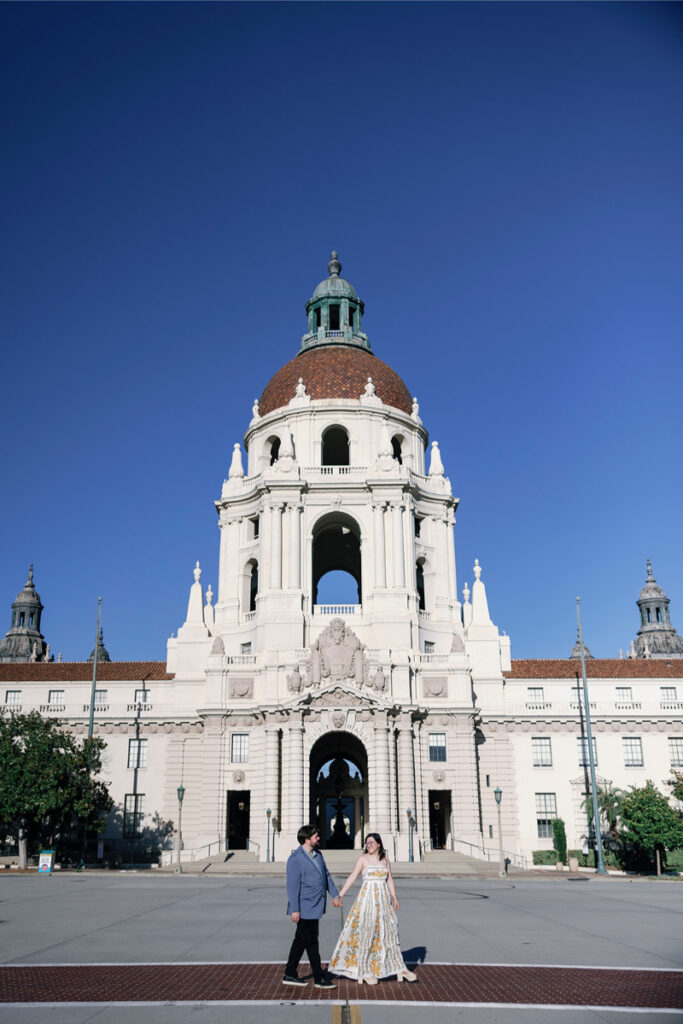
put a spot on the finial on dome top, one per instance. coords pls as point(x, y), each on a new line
point(29, 581)
point(649, 571)
point(477, 568)
point(197, 572)
point(334, 266)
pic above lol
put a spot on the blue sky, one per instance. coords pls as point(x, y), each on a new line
point(503, 184)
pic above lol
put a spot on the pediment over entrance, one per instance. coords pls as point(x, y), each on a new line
point(345, 696)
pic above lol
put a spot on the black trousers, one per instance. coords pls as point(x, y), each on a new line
point(305, 938)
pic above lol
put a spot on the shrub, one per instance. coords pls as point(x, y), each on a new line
point(545, 856)
point(560, 839)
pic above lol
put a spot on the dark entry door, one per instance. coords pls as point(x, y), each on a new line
point(439, 817)
point(238, 819)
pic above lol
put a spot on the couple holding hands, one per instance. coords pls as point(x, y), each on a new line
point(368, 947)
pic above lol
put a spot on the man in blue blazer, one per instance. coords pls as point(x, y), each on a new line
point(308, 882)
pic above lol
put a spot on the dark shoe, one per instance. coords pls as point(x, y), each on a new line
point(324, 982)
point(293, 979)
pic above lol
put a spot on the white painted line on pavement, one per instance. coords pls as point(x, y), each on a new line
point(362, 1003)
point(271, 963)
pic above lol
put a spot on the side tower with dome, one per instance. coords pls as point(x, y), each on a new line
point(352, 713)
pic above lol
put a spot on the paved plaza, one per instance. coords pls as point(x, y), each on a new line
point(142, 947)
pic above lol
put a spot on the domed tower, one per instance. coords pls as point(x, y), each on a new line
point(337, 631)
point(24, 641)
point(656, 637)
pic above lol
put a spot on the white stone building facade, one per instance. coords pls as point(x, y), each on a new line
point(399, 712)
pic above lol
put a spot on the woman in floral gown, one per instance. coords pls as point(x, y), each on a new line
point(368, 948)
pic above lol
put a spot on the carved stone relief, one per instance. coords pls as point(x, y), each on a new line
point(338, 719)
point(241, 687)
point(238, 777)
point(435, 686)
point(337, 656)
point(438, 777)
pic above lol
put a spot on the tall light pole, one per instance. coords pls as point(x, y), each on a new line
point(268, 814)
point(410, 835)
point(93, 688)
point(601, 870)
point(181, 794)
point(498, 793)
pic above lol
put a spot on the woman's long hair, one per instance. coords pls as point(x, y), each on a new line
point(381, 853)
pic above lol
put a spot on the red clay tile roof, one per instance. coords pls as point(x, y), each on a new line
point(597, 668)
point(81, 671)
point(331, 371)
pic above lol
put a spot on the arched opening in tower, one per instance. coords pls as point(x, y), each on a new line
point(339, 790)
point(336, 561)
point(335, 447)
point(420, 583)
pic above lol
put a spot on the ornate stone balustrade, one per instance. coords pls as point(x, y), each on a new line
point(337, 609)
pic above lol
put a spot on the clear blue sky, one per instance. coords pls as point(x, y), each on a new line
point(503, 184)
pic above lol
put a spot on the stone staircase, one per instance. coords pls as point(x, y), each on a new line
point(340, 864)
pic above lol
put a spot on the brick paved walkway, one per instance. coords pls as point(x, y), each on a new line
point(117, 983)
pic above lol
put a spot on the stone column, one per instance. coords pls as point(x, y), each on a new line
point(272, 772)
point(406, 773)
point(294, 547)
point(379, 811)
point(397, 544)
point(380, 547)
point(294, 776)
point(452, 584)
point(227, 583)
point(409, 542)
point(276, 548)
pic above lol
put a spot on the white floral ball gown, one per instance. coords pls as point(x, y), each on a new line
point(368, 945)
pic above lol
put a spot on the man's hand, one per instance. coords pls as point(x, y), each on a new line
point(337, 901)
point(295, 917)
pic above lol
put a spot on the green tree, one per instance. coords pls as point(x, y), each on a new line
point(610, 799)
point(677, 786)
point(560, 839)
point(48, 780)
point(649, 823)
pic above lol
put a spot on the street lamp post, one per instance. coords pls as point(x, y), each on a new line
point(410, 835)
point(601, 869)
point(498, 793)
point(268, 814)
point(181, 794)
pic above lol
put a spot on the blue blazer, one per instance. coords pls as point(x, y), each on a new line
point(308, 884)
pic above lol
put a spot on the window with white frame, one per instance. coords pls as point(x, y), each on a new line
point(633, 751)
point(541, 752)
point(535, 694)
point(245, 648)
point(546, 810)
point(624, 694)
point(676, 751)
point(137, 753)
point(55, 697)
point(12, 696)
point(582, 749)
point(239, 747)
point(142, 696)
point(667, 693)
point(437, 746)
point(100, 696)
point(429, 646)
point(132, 814)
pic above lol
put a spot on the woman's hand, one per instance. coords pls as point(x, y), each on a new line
point(396, 903)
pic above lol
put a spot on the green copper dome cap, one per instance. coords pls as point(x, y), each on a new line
point(334, 312)
point(334, 285)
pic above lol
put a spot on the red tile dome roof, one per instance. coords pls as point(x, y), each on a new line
point(335, 371)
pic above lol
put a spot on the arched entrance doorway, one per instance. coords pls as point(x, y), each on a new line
point(339, 790)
